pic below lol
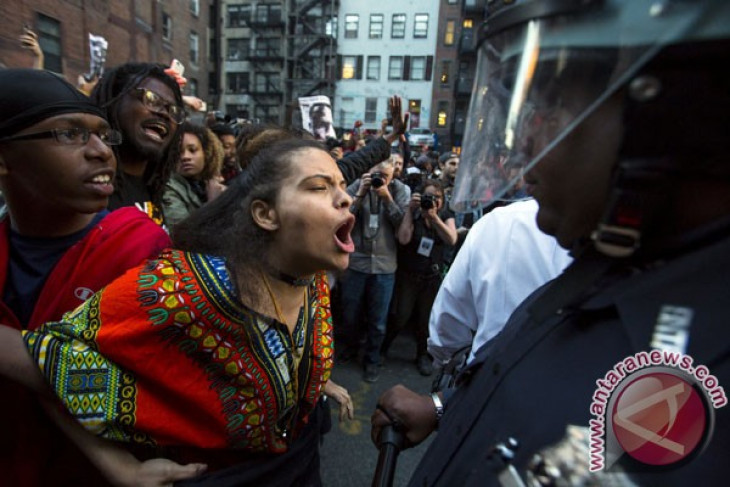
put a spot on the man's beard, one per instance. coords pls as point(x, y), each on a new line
point(151, 154)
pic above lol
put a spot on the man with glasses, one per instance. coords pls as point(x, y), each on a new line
point(58, 245)
point(145, 104)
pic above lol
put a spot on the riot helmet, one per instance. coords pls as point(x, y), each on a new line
point(544, 66)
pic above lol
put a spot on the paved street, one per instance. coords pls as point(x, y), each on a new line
point(348, 456)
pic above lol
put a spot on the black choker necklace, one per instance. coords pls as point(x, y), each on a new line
point(291, 280)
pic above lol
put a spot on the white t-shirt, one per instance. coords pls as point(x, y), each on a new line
point(504, 259)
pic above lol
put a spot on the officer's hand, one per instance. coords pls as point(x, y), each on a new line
point(415, 414)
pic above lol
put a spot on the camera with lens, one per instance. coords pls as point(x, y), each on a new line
point(428, 201)
point(377, 179)
point(332, 142)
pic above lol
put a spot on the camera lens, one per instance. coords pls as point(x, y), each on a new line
point(427, 202)
point(377, 180)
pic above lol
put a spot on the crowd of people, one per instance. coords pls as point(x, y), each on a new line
point(174, 292)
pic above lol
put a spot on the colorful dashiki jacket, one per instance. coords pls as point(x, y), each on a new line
point(168, 355)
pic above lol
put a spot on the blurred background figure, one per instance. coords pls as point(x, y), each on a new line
point(29, 41)
point(425, 233)
point(379, 203)
point(197, 178)
point(227, 135)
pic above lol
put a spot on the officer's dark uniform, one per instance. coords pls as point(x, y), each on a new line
point(540, 373)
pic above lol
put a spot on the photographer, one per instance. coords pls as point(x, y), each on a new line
point(379, 204)
point(426, 232)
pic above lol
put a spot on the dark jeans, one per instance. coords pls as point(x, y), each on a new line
point(374, 291)
point(413, 299)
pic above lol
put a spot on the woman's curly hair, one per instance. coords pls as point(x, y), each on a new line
point(212, 149)
point(225, 226)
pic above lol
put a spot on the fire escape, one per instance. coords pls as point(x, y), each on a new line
point(312, 50)
point(267, 60)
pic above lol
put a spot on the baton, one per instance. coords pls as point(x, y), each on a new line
point(391, 442)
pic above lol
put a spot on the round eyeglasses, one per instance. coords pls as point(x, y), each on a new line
point(71, 136)
point(157, 104)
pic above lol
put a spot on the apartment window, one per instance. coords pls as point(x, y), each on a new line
point(195, 7)
point(331, 28)
point(420, 26)
point(166, 27)
point(212, 50)
point(237, 49)
point(442, 114)
point(212, 20)
point(268, 14)
point(237, 82)
point(192, 86)
point(376, 26)
point(49, 40)
point(349, 65)
point(267, 113)
point(194, 47)
point(267, 46)
point(371, 110)
point(212, 83)
point(267, 83)
point(373, 67)
point(418, 68)
point(398, 26)
point(450, 33)
point(351, 25)
point(395, 67)
point(467, 24)
point(445, 72)
point(453, 2)
point(239, 15)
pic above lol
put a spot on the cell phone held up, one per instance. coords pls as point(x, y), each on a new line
point(177, 67)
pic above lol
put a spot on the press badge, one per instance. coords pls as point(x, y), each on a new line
point(425, 247)
point(374, 221)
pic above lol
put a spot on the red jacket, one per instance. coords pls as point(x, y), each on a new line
point(33, 451)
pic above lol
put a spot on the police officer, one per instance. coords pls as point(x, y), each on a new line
point(621, 108)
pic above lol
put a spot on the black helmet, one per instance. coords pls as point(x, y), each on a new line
point(545, 65)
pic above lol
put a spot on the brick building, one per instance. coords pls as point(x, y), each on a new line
point(136, 30)
point(446, 66)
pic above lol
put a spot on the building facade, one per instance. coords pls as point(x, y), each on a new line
point(273, 52)
point(471, 18)
point(385, 48)
point(446, 64)
point(135, 30)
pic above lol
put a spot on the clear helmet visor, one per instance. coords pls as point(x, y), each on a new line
point(537, 81)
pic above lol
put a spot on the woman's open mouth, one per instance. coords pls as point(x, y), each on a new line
point(343, 240)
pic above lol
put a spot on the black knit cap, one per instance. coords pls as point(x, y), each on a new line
point(28, 96)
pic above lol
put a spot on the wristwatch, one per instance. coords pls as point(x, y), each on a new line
point(438, 406)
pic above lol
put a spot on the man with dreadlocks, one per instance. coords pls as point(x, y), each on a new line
point(145, 104)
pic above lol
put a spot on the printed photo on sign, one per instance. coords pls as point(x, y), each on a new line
point(317, 116)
